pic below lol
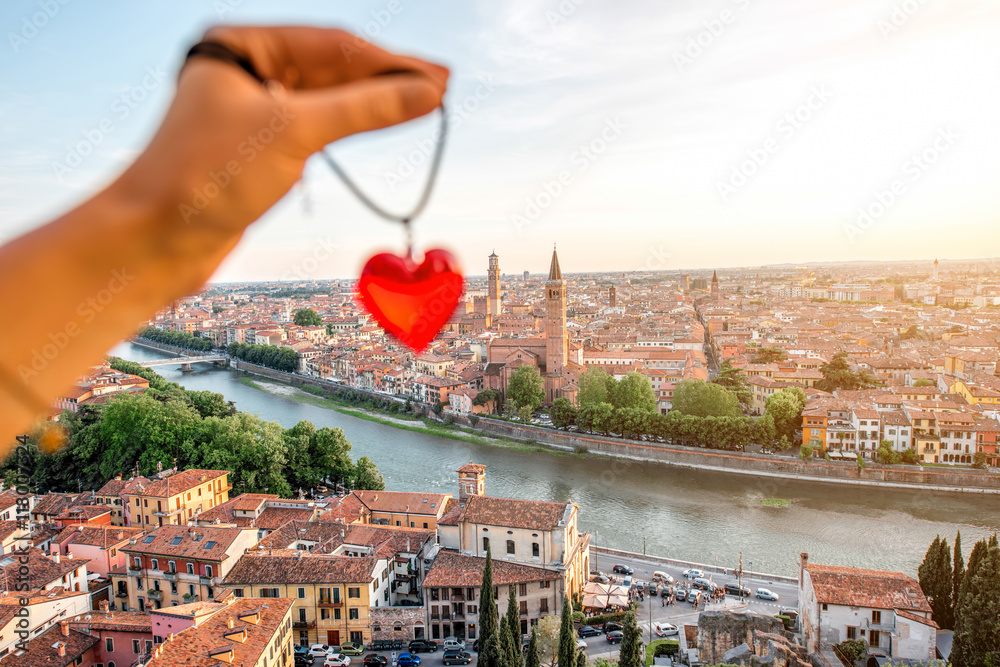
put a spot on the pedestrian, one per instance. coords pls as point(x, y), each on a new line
point(663, 602)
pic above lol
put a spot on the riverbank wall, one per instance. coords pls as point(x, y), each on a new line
point(958, 480)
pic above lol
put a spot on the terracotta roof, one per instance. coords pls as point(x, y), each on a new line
point(471, 467)
point(83, 512)
point(248, 502)
point(298, 567)
point(273, 518)
point(876, 589)
point(43, 650)
point(513, 513)
point(402, 502)
point(43, 570)
point(114, 488)
point(454, 569)
point(207, 543)
point(97, 535)
point(347, 509)
point(195, 646)
point(117, 621)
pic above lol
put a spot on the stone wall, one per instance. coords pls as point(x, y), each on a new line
point(747, 638)
point(397, 623)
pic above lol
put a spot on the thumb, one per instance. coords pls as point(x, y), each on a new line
point(328, 114)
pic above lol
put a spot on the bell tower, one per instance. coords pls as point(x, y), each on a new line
point(493, 297)
point(556, 349)
point(471, 481)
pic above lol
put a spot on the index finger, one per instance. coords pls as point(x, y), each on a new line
point(303, 57)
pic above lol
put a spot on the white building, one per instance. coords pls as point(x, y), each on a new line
point(887, 610)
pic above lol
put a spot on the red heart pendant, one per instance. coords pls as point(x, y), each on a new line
point(411, 301)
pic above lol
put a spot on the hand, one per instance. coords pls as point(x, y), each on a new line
point(229, 148)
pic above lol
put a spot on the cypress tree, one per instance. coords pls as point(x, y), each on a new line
point(957, 573)
point(507, 647)
point(489, 641)
point(935, 576)
point(947, 583)
point(515, 657)
point(631, 653)
point(531, 659)
point(567, 638)
point(977, 626)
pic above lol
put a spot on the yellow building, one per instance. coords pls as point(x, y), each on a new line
point(975, 393)
point(331, 595)
point(404, 509)
point(173, 498)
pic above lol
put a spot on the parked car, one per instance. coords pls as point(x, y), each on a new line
point(615, 637)
point(639, 585)
point(627, 582)
point(665, 629)
point(475, 646)
point(318, 650)
point(408, 660)
point(456, 658)
point(581, 645)
point(611, 626)
point(422, 646)
point(702, 583)
point(588, 631)
point(665, 592)
point(694, 574)
point(765, 594)
point(303, 661)
point(453, 643)
point(301, 651)
point(350, 648)
point(408, 603)
point(600, 578)
point(621, 569)
point(662, 577)
point(736, 589)
point(694, 597)
point(651, 588)
point(337, 660)
point(790, 612)
point(681, 595)
point(375, 660)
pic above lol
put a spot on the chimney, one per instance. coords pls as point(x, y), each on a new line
point(803, 563)
point(61, 646)
point(64, 628)
point(105, 606)
point(300, 554)
point(56, 557)
point(230, 623)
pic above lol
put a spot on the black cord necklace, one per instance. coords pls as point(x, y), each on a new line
point(219, 51)
point(424, 197)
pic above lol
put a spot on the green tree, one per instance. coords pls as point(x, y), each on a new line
point(631, 653)
point(923, 382)
point(703, 399)
point(594, 387)
point(563, 413)
point(886, 454)
point(307, 317)
point(958, 571)
point(633, 391)
point(976, 641)
point(785, 408)
point(769, 355)
point(532, 658)
point(367, 476)
point(935, 577)
point(524, 413)
point(764, 431)
point(548, 629)
point(515, 657)
point(734, 380)
point(567, 638)
point(526, 388)
point(488, 398)
point(837, 374)
point(489, 641)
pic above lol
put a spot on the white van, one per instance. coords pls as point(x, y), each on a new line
point(627, 582)
point(662, 577)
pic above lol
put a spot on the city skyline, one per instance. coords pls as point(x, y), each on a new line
point(860, 132)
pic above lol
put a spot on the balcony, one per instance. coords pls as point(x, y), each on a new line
point(881, 627)
point(134, 571)
point(121, 594)
point(327, 602)
point(458, 597)
point(168, 512)
point(170, 576)
point(208, 581)
point(190, 597)
point(155, 594)
point(304, 625)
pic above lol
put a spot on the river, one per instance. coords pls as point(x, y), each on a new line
point(680, 513)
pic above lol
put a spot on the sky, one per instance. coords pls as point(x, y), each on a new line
point(635, 134)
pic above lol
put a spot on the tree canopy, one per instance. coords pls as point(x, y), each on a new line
point(837, 374)
point(785, 409)
point(769, 355)
point(526, 388)
point(704, 399)
point(734, 380)
point(307, 317)
point(167, 424)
